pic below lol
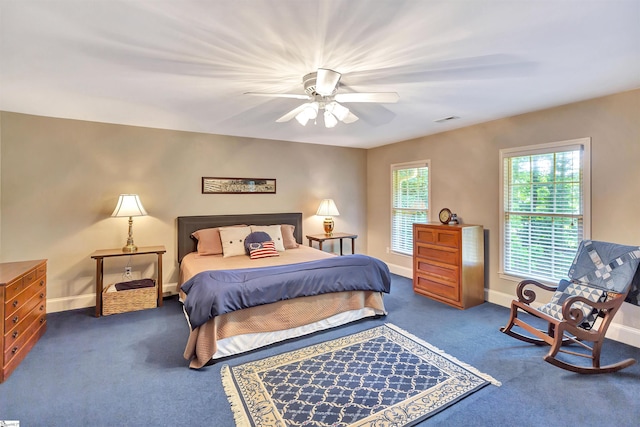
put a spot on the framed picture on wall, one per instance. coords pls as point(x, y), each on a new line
point(212, 185)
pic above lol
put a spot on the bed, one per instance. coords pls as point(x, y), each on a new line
point(230, 332)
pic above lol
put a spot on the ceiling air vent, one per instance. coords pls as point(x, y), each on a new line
point(446, 119)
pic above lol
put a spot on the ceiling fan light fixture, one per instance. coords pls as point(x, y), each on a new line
point(321, 89)
point(341, 112)
point(330, 120)
point(302, 118)
point(310, 112)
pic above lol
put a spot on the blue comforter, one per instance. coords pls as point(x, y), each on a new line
point(212, 293)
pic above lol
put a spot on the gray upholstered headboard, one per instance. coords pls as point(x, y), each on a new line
point(189, 224)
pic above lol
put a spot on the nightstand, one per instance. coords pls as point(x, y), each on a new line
point(101, 254)
point(321, 238)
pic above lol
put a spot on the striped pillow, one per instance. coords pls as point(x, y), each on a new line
point(262, 250)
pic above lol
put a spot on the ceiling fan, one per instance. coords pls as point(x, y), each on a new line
point(321, 88)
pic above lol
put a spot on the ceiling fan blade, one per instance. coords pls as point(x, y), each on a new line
point(381, 97)
point(278, 95)
point(350, 118)
point(326, 81)
point(291, 114)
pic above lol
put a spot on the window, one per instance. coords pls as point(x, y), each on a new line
point(410, 203)
point(545, 205)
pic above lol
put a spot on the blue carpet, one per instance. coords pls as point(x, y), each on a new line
point(128, 370)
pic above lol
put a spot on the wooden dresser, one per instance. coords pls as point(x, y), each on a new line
point(448, 263)
point(23, 310)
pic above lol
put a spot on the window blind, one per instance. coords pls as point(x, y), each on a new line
point(410, 203)
point(543, 211)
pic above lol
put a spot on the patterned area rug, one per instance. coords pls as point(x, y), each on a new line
point(379, 377)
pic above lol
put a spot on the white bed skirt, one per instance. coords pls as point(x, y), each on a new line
point(242, 343)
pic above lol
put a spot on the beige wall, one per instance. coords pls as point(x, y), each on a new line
point(61, 180)
point(465, 175)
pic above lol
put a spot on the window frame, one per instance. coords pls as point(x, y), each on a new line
point(407, 165)
point(546, 148)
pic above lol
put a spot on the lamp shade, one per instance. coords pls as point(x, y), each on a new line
point(327, 208)
point(129, 205)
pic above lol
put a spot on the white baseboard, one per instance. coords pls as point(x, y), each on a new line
point(616, 331)
point(55, 305)
point(401, 271)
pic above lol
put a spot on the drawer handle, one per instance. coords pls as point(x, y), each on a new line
point(14, 350)
point(15, 303)
point(41, 294)
point(41, 307)
point(15, 319)
point(41, 282)
point(15, 334)
point(42, 319)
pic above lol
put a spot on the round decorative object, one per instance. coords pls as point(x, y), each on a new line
point(445, 216)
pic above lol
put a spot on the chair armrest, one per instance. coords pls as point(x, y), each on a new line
point(575, 315)
point(528, 295)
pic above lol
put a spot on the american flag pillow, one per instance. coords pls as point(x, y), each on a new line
point(262, 250)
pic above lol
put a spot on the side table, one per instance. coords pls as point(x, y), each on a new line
point(101, 254)
point(321, 238)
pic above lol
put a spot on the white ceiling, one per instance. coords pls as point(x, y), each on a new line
point(185, 64)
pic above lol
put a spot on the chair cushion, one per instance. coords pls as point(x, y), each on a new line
point(604, 265)
point(568, 289)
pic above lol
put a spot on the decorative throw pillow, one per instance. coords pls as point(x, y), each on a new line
point(262, 250)
point(568, 289)
point(233, 240)
point(255, 237)
point(274, 231)
point(209, 242)
point(288, 237)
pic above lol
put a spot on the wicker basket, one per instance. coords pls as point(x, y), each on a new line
point(129, 300)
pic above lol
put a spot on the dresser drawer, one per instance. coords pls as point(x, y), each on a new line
point(37, 300)
point(24, 329)
point(434, 253)
point(16, 339)
point(18, 286)
point(436, 236)
point(433, 286)
point(445, 272)
point(15, 354)
point(16, 302)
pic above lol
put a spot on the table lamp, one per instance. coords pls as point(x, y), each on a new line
point(328, 210)
point(129, 205)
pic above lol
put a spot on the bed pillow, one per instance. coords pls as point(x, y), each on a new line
point(262, 250)
point(255, 237)
point(288, 239)
point(233, 240)
point(209, 242)
point(274, 231)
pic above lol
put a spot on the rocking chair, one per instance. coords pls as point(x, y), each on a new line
point(580, 310)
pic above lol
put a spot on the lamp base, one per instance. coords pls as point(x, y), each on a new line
point(130, 248)
point(328, 226)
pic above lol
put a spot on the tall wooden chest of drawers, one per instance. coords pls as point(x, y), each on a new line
point(23, 310)
point(448, 263)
